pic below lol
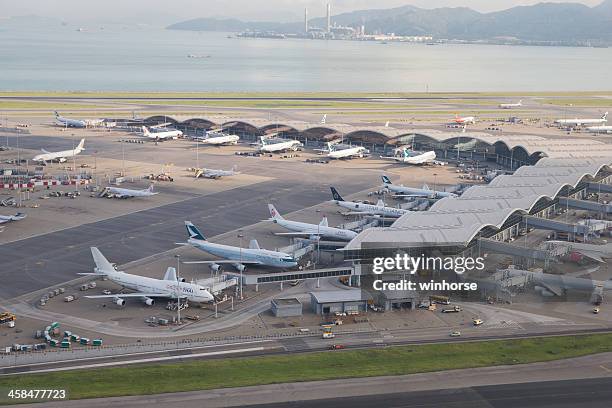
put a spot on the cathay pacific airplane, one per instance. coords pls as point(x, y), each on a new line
point(580, 122)
point(147, 289)
point(322, 230)
point(76, 123)
point(413, 157)
point(425, 192)
point(236, 256)
point(367, 209)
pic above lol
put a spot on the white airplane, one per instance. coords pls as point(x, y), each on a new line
point(278, 145)
point(425, 192)
point(76, 123)
point(60, 156)
point(219, 138)
point(323, 230)
point(465, 120)
point(348, 153)
point(9, 218)
point(600, 129)
point(129, 193)
point(412, 157)
point(580, 122)
point(324, 119)
point(161, 135)
point(511, 105)
point(147, 289)
point(236, 256)
point(215, 174)
point(367, 209)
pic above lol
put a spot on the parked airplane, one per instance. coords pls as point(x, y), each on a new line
point(9, 218)
point(129, 193)
point(511, 105)
point(236, 256)
point(550, 285)
point(425, 191)
point(580, 122)
point(413, 157)
point(147, 289)
point(323, 230)
point(216, 136)
point(465, 120)
point(600, 129)
point(76, 123)
point(215, 174)
point(162, 134)
point(333, 152)
point(367, 209)
point(278, 145)
point(59, 156)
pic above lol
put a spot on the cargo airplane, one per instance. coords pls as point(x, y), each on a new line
point(379, 208)
point(424, 192)
point(236, 256)
point(59, 156)
point(146, 289)
point(322, 230)
point(217, 137)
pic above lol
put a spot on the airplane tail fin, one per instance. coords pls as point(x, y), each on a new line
point(324, 119)
point(56, 114)
point(330, 147)
point(102, 264)
point(254, 244)
point(387, 180)
point(150, 189)
point(425, 187)
point(81, 145)
point(273, 213)
point(605, 116)
point(324, 222)
point(387, 124)
point(193, 231)
point(520, 102)
point(170, 274)
point(380, 203)
point(335, 194)
point(145, 131)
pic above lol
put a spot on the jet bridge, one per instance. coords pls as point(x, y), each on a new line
point(555, 225)
point(599, 187)
point(255, 279)
point(585, 205)
point(514, 250)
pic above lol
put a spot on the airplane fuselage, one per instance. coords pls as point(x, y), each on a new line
point(347, 153)
point(280, 147)
point(46, 157)
point(373, 209)
point(321, 230)
point(259, 256)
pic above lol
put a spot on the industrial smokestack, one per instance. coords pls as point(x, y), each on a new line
point(328, 17)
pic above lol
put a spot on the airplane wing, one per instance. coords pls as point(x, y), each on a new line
point(3, 220)
point(297, 234)
point(131, 295)
point(224, 261)
point(356, 213)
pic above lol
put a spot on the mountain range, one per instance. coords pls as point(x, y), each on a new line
point(554, 22)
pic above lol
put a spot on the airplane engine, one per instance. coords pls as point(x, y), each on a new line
point(215, 267)
point(543, 291)
point(240, 267)
point(149, 302)
point(119, 301)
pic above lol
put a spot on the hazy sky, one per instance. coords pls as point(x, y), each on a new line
point(168, 11)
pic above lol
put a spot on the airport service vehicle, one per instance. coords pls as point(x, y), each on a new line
point(215, 173)
point(596, 310)
point(328, 335)
point(76, 123)
point(413, 157)
point(337, 347)
point(59, 156)
point(455, 309)
point(440, 299)
point(129, 193)
point(600, 129)
point(580, 122)
point(456, 333)
point(146, 289)
point(10, 218)
point(465, 120)
point(236, 256)
point(425, 191)
point(334, 151)
point(273, 145)
point(367, 209)
point(162, 134)
point(322, 230)
point(477, 322)
point(511, 105)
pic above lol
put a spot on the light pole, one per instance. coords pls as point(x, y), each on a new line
point(178, 289)
point(197, 153)
point(240, 236)
point(435, 178)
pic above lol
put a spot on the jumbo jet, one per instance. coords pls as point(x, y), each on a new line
point(236, 256)
point(511, 105)
point(412, 157)
point(367, 209)
point(10, 218)
point(278, 145)
point(465, 120)
point(215, 174)
point(129, 193)
point(76, 123)
point(323, 230)
point(217, 137)
point(425, 192)
point(146, 289)
point(59, 156)
point(162, 134)
point(333, 152)
point(580, 122)
point(600, 129)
